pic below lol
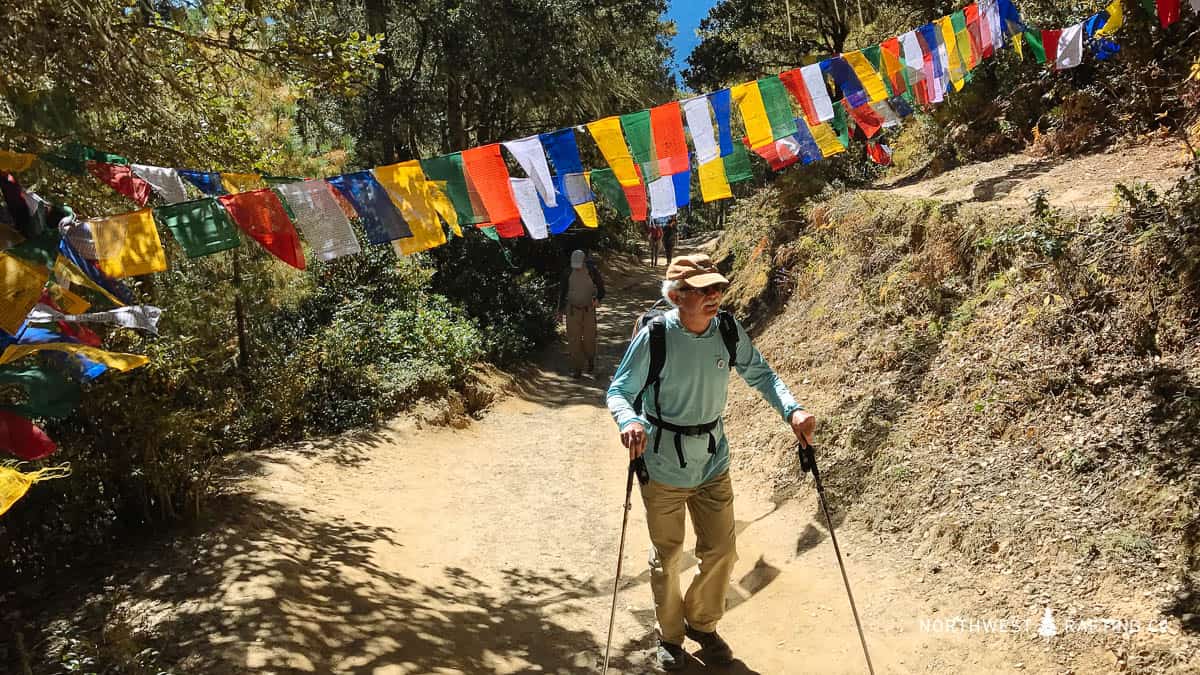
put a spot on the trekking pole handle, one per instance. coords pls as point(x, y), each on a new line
point(808, 459)
point(637, 467)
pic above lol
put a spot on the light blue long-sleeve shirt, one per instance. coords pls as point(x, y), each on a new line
point(694, 389)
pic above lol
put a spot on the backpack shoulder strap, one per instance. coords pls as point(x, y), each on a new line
point(729, 334)
point(658, 358)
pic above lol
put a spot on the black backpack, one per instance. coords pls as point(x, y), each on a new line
point(655, 319)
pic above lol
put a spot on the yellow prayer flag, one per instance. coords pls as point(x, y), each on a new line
point(611, 141)
point(1018, 45)
point(946, 27)
point(14, 484)
point(114, 360)
point(867, 75)
point(442, 204)
point(754, 114)
point(14, 162)
point(405, 184)
point(587, 214)
point(67, 301)
point(66, 273)
point(128, 244)
point(713, 183)
point(826, 139)
point(21, 285)
point(241, 182)
point(1116, 19)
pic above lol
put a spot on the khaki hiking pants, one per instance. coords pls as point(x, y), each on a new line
point(581, 335)
point(711, 508)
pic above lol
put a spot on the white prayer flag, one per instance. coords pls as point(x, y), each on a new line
point(526, 195)
point(166, 182)
point(662, 198)
point(321, 220)
point(699, 122)
point(532, 157)
point(1070, 47)
point(814, 82)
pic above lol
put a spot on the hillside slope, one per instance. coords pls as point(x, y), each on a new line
point(1011, 392)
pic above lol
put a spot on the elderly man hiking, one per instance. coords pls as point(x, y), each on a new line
point(677, 414)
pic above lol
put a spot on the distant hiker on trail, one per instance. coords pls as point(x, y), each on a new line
point(678, 414)
point(654, 235)
point(579, 295)
point(670, 234)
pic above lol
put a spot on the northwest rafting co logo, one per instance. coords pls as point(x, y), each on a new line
point(1047, 628)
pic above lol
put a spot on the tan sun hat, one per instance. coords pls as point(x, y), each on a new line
point(696, 270)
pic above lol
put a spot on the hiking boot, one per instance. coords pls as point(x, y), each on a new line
point(669, 656)
point(713, 646)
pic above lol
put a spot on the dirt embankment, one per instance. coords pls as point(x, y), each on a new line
point(1009, 390)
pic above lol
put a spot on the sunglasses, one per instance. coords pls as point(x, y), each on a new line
point(715, 289)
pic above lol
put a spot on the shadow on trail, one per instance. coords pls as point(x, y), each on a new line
point(280, 589)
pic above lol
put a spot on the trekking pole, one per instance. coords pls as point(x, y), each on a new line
point(636, 466)
point(808, 463)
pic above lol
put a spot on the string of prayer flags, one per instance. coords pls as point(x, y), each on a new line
point(486, 171)
point(1070, 47)
point(122, 179)
point(754, 114)
point(166, 182)
point(605, 183)
point(609, 138)
point(448, 169)
point(319, 217)
point(670, 144)
point(233, 183)
point(128, 245)
point(14, 484)
point(21, 285)
point(846, 80)
point(260, 214)
point(380, 219)
point(138, 317)
point(201, 226)
point(867, 76)
point(15, 162)
point(405, 183)
point(208, 182)
point(49, 393)
point(778, 108)
point(529, 203)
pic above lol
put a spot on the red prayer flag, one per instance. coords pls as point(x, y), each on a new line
point(489, 175)
point(879, 153)
point(636, 196)
point(794, 81)
point(22, 438)
point(894, 65)
point(1050, 44)
point(120, 178)
point(972, 14)
point(261, 215)
point(865, 117)
point(670, 147)
point(1168, 11)
point(779, 155)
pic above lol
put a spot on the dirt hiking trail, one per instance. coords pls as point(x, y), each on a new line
point(492, 549)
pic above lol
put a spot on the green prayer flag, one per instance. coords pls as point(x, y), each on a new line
point(1034, 40)
point(51, 394)
point(839, 124)
point(605, 183)
point(201, 227)
point(778, 106)
point(737, 164)
point(875, 56)
point(641, 142)
point(449, 169)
